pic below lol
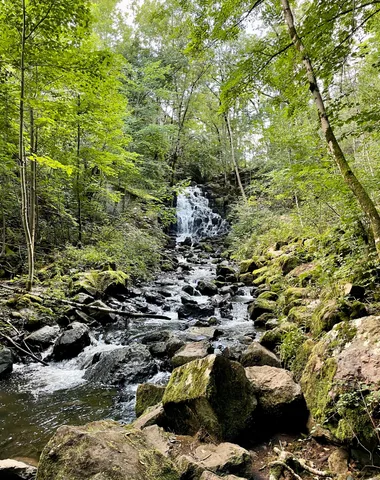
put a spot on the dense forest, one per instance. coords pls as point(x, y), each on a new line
point(257, 122)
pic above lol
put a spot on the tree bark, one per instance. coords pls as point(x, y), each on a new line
point(22, 159)
point(365, 201)
point(233, 157)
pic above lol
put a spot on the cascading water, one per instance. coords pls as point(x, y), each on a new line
point(195, 218)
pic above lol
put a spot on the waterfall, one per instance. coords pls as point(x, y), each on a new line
point(195, 218)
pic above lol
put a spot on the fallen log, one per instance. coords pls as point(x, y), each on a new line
point(90, 307)
point(25, 352)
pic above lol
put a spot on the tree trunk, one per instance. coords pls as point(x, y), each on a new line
point(366, 203)
point(230, 137)
point(22, 159)
point(78, 186)
point(33, 181)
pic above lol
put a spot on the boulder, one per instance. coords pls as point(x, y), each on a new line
point(221, 459)
point(246, 278)
point(189, 289)
point(207, 394)
point(268, 295)
point(342, 377)
point(191, 351)
point(248, 266)
point(207, 288)
point(211, 476)
point(103, 451)
point(354, 291)
point(280, 399)
point(329, 314)
point(224, 270)
point(338, 462)
point(257, 355)
point(6, 362)
point(101, 315)
point(195, 311)
point(130, 364)
point(260, 306)
point(148, 395)
point(71, 342)
point(43, 337)
point(16, 470)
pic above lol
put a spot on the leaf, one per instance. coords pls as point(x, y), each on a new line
point(51, 163)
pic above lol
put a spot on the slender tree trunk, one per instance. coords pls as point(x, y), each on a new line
point(33, 181)
point(78, 186)
point(22, 159)
point(366, 203)
point(231, 140)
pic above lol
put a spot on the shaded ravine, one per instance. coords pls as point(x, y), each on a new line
point(37, 399)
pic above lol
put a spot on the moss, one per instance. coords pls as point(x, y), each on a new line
point(317, 382)
point(259, 272)
point(300, 315)
point(301, 358)
point(269, 295)
point(148, 395)
point(291, 341)
point(157, 466)
point(97, 283)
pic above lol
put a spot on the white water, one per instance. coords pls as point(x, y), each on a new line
point(195, 218)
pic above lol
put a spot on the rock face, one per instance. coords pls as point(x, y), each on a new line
point(71, 342)
point(280, 398)
point(346, 358)
point(191, 351)
point(148, 395)
point(213, 394)
point(15, 470)
point(257, 355)
point(6, 362)
point(131, 364)
point(43, 337)
point(103, 451)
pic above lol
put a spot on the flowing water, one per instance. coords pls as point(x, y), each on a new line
point(37, 399)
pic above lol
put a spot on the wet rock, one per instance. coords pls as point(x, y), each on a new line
point(263, 319)
point(187, 242)
point(231, 278)
point(173, 345)
point(280, 398)
point(16, 470)
point(257, 355)
point(189, 289)
point(153, 337)
point(154, 297)
point(222, 459)
point(6, 362)
point(101, 315)
point(223, 269)
point(195, 311)
point(130, 364)
point(148, 395)
point(43, 337)
point(102, 451)
point(246, 278)
point(227, 289)
point(84, 298)
point(191, 351)
point(220, 301)
point(206, 394)
point(158, 349)
point(187, 300)
point(71, 342)
point(207, 288)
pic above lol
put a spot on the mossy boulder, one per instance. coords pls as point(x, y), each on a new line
point(295, 293)
point(301, 315)
point(305, 274)
point(101, 283)
point(103, 451)
point(273, 338)
point(288, 263)
point(341, 380)
point(332, 312)
point(268, 295)
point(246, 278)
point(212, 394)
point(248, 266)
point(259, 306)
point(148, 395)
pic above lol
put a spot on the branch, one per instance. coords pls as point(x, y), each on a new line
point(33, 29)
point(22, 350)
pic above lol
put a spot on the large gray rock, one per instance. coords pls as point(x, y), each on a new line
point(212, 394)
point(191, 351)
point(280, 398)
point(14, 470)
point(43, 337)
point(222, 459)
point(103, 451)
point(71, 342)
point(207, 288)
point(6, 362)
point(256, 355)
point(130, 364)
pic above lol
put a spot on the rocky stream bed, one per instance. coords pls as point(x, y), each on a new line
point(200, 375)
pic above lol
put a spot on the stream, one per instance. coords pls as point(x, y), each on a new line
point(37, 399)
